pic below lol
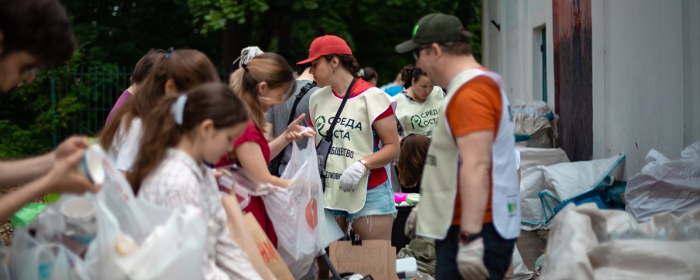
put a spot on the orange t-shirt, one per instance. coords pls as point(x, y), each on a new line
point(476, 106)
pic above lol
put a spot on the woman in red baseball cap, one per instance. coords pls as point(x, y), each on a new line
point(355, 144)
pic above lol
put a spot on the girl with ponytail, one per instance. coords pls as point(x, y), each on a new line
point(263, 81)
point(173, 72)
point(169, 171)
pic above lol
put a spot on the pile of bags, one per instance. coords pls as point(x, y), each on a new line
point(535, 124)
point(588, 243)
point(549, 180)
point(665, 186)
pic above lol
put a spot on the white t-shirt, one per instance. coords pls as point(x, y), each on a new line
point(125, 146)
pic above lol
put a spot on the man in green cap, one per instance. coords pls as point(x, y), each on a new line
point(470, 195)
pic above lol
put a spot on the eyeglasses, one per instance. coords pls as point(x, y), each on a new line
point(416, 52)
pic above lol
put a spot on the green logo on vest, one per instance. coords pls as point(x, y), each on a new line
point(320, 123)
point(512, 207)
point(416, 120)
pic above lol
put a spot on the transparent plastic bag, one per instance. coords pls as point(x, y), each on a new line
point(47, 261)
point(244, 185)
point(295, 211)
point(138, 240)
point(43, 251)
point(4, 273)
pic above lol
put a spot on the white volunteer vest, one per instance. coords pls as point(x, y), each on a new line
point(352, 140)
point(439, 184)
point(419, 118)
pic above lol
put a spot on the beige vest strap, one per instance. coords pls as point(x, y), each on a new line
point(352, 140)
point(419, 118)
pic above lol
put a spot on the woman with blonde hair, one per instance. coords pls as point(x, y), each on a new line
point(264, 80)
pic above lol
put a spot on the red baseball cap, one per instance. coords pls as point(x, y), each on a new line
point(325, 45)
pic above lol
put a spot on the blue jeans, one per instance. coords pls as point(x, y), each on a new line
point(497, 254)
point(379, 201)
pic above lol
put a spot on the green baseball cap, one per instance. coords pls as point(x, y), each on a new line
point(433, 28)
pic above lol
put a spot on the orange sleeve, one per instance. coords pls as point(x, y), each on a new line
point(476, 106)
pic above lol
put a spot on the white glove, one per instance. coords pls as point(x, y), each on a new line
point(351, 177)
point(410, 229)
point(470, 260)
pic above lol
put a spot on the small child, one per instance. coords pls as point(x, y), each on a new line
point(192, 128)
point(414, 149)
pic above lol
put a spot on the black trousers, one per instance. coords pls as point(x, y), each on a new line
point(497, 254)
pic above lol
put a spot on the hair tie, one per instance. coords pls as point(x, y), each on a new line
point(244, 66)
point(247, 54)
point(178, 109)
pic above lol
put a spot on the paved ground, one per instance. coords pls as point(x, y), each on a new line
point(531, 245)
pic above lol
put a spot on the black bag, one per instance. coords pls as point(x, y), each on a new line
point(324, 146)
point(274, 166)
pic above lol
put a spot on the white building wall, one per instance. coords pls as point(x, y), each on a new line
point(691, 71)
point(512, 51)
point(646, 70)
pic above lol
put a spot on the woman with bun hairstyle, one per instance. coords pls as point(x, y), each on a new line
point(169, 171)
point(364, 140)
point(418, 104)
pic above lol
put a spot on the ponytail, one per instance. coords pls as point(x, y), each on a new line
point(186, 68)
point(263, 67)
point(155, 141)
point(178, 116)
point(409, 73)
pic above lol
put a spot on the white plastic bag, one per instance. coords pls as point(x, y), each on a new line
point(37, 251)
point(520, 271)
point(4, 273)
point(533, 107)
point(665, 185)
point(138, 240)
point(297, 211)
point(542, 188)
point(243, 184)
point(531, 157)
point(535, 124)
point(47, 261)
point(588, 243)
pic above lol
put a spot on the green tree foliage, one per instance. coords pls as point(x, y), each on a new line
point(119, 32)
point(371, 27)
point(27, 120)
